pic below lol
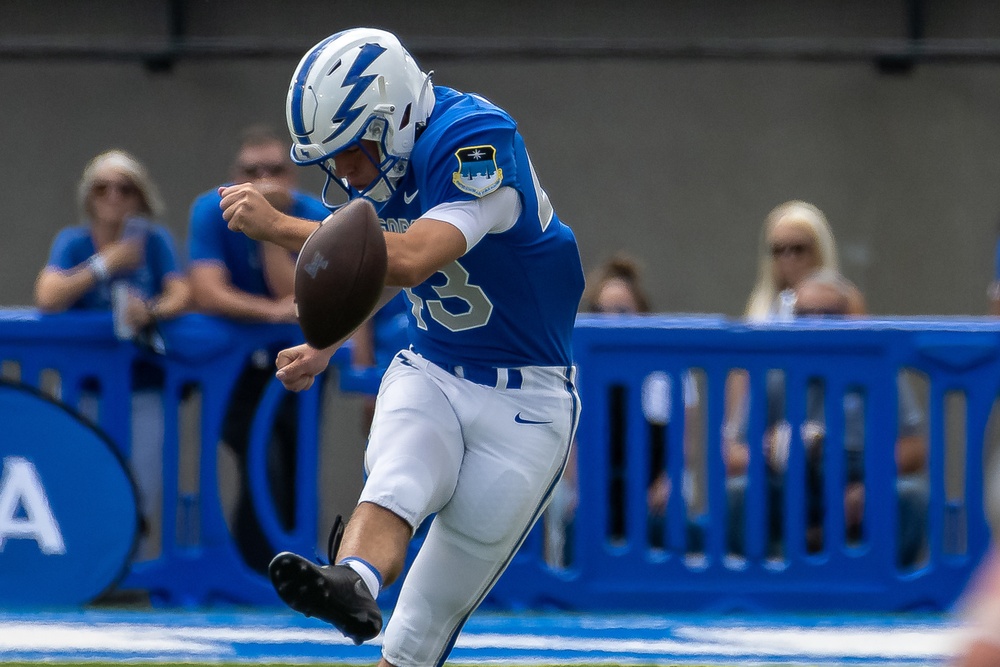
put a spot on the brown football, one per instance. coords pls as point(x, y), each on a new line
point(340, 273)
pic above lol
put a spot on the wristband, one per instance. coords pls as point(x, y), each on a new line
point(99, 267)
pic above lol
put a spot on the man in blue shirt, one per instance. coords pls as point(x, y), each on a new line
point(474, 422)
point(236, 277)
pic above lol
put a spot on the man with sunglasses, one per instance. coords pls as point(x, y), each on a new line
point(235, 277)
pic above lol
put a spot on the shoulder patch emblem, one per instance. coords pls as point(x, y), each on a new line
point(477, 173)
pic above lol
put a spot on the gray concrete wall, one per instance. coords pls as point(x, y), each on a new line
point(677, 160)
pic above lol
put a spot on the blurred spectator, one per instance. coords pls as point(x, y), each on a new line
point(796, 240)
point(656, 408)
point(615, 289)
point(120, 258)
point(236, 277)
point(826, 293)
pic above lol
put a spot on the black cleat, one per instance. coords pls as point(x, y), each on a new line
point(332, 593)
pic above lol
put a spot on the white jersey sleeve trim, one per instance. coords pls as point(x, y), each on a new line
point(495, 213)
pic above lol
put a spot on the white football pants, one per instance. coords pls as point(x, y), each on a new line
point(486, 460)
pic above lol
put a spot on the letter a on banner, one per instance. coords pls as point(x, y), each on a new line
point(25, 512)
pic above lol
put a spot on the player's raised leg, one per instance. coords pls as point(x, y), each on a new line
point(413, 459)
point(338, 593)
point(493, 507)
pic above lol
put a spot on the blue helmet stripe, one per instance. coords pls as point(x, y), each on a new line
point(300, 85)
point(345, 115)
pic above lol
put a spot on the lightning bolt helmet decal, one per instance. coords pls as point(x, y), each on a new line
point(346, 113)
point(333, 103)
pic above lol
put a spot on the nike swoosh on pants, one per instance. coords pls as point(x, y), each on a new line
point(521, 420)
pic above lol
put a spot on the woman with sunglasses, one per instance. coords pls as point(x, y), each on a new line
point(119, 257)
point(796, 241)
point(116, 242)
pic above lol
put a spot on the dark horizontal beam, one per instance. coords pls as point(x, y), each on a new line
point(42, 48)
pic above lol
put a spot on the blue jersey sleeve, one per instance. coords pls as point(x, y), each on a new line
point(473, 158)
point(161, 255)
point(71, 247)
point(206, 240)
point(512, 299)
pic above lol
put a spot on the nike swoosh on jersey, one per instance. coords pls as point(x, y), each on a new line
point(409, 198)
point(521, 420)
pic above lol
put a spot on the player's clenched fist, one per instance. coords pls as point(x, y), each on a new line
point(299, 365)
point(248, 211)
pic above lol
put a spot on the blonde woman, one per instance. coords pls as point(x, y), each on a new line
point(796, 241)
point(117, 241)
point(118, 249)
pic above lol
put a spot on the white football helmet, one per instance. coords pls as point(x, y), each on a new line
point(354, 85)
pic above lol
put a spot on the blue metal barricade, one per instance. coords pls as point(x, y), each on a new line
point(625, 572)
point(77, 354)
point(609, 569)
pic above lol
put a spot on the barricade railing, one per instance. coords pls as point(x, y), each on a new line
point(72, 355)
point(613, 563)
point(958, 362)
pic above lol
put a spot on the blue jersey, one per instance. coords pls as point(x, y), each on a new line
point(74, 245)
point(512, 299)
point(390, 327)
point(209, 239)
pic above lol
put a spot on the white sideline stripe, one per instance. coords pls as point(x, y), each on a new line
point(144, 640)
point(150, 637)
point(721, 641)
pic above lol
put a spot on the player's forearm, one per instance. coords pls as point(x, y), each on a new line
point(427, 246)
point(290, 232)
point(246, 210)
point(239, 305)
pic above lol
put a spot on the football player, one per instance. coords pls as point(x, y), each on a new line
point(474, 421)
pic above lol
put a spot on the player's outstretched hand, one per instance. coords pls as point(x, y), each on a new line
point(247, 210)
point(298, 366)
